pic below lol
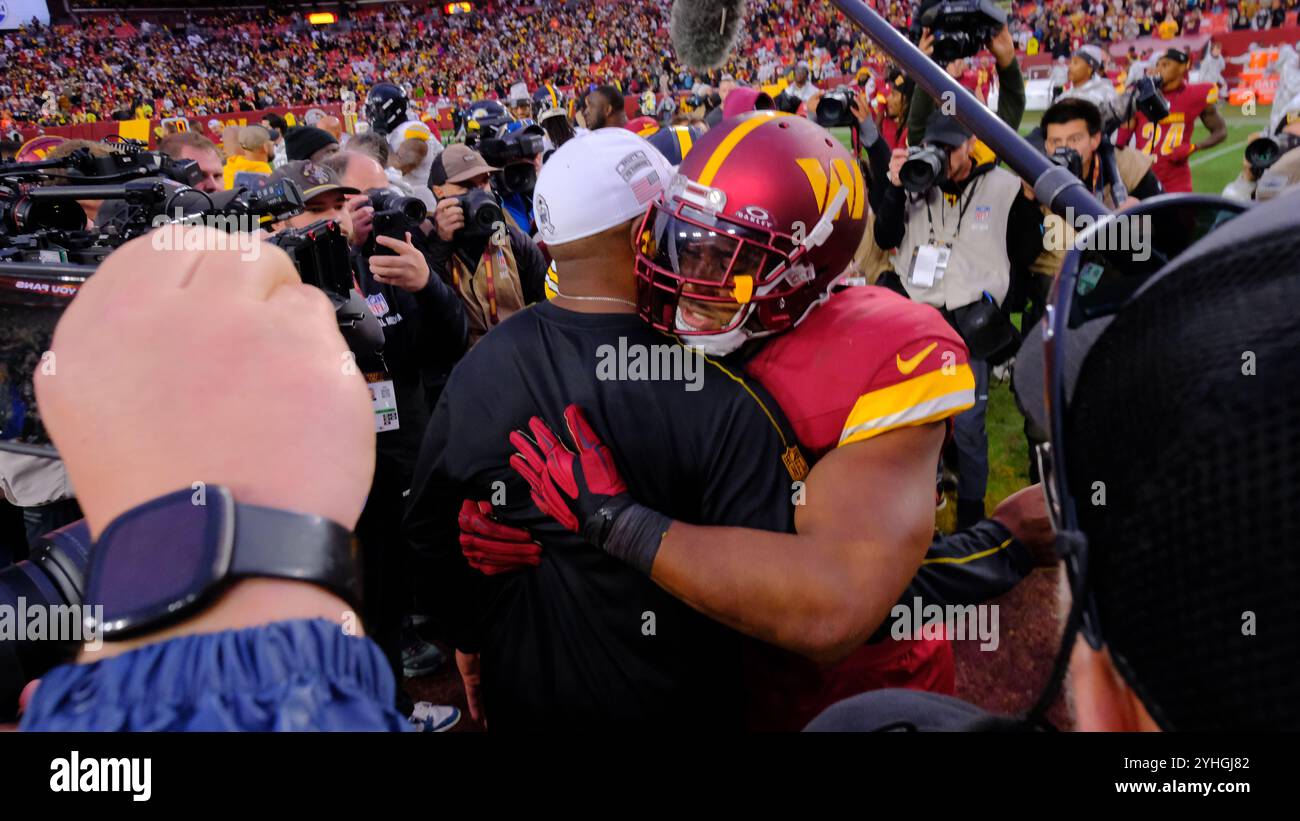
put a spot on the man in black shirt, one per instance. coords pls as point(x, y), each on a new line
point(585, 639)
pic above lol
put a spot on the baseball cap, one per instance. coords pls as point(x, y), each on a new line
point(595, 182)
point(945, 129)
point(313, 179)
point(458, 163)
point(1092, 55)
point(1177, 55)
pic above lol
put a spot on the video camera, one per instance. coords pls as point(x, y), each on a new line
point(47, 252)
point(961, 28)
point(513, 153)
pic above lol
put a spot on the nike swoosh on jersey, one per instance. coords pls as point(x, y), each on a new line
point(906, 366)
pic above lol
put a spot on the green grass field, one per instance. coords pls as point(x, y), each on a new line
point(1008, 452)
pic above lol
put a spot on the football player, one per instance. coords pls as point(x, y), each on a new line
point(1170, 140)
point(762, 221)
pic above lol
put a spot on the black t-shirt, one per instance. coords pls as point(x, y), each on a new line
point(584, 640)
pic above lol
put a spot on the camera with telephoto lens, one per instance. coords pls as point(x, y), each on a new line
point(836, 108)
point(1262, 152)
point(926, 166)
point(961, 28)
point(395, 217)
point(51, 582)
point(482, 213)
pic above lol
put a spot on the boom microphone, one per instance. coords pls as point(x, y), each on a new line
point(704, 31)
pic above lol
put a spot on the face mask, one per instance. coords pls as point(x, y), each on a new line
point(719, 344)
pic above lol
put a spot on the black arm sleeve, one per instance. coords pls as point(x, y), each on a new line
point(878, 155)
point(532, 265)
point(1024, 232)
point(891, 218)
point(970, 566)
point(1011, 95)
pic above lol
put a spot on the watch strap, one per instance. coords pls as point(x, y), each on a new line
point(279, 544)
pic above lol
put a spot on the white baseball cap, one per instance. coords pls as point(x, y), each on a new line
point(596, 181)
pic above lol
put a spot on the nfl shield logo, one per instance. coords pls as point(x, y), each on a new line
point(982, 212)
point(378, 305)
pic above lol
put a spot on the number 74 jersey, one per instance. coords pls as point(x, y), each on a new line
point(1169, 141)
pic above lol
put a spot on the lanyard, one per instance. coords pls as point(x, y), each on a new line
point(961, 212)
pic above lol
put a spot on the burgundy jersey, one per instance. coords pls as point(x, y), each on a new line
point(865, 363)
point(1169, 141)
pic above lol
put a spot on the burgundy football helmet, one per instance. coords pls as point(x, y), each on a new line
point(766, 213)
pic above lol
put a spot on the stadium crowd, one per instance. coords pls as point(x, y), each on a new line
point(113, 67)
point(1059, 27)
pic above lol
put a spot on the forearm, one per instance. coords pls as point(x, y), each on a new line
point(1011, 95)
point(970, 566)
point(820, 598)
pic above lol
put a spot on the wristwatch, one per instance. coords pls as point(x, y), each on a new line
point(171, 557)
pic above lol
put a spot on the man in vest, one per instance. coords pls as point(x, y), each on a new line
point(957, 244)
point(496, 268)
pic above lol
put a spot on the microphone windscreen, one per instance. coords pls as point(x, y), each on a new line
point(704, 31)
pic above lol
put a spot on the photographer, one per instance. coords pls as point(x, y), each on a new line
point(1270, 164)
point(495, 267)
point(424, 333)
point(1011, 86)
point(960, 228)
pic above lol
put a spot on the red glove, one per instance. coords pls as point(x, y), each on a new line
point(492, 547)
point(573, 489)
point(1179, 155)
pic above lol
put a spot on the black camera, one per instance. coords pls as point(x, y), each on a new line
point(395, 217)
point(53, 580)
point(523, 144)
point(1149, 100)
point(926, 166)
point(836, 108)
point(787, 103)
point(482, 213)
point(961, 28)
point(1262, 152)
point(1069, 159)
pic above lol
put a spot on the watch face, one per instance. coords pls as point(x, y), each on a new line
point(155, 562)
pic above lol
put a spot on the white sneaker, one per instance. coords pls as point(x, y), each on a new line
point(434, 718)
